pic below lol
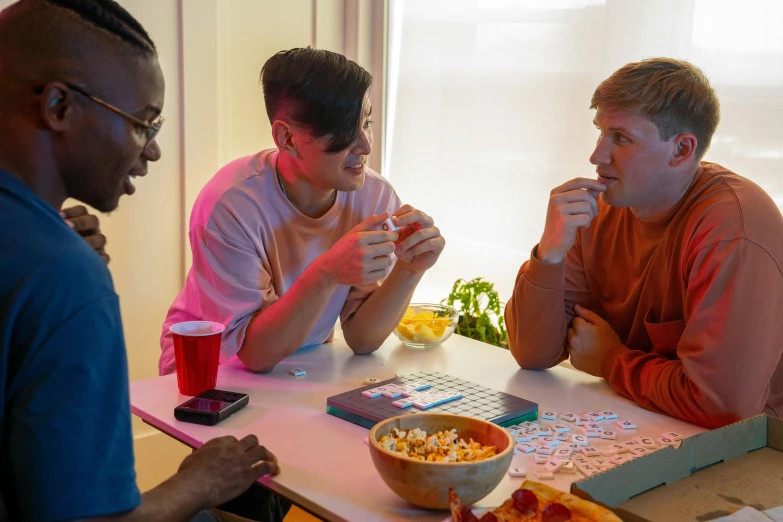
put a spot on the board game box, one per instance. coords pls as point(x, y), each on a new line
point(443, 394)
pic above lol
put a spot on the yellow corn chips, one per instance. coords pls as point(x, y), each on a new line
point(423, 327)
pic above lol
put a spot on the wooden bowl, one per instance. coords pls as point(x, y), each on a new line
point(426, 484)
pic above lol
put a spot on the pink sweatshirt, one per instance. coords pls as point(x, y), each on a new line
point(696, 298)
point(250, 244)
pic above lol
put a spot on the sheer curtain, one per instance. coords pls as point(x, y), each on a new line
point(488, 107)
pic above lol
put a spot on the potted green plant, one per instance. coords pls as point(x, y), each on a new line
point(481, 315)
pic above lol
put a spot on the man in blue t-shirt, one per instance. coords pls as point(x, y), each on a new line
point(81, 91)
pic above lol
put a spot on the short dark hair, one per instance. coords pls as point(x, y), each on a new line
point(675, 94)
point(112, 17)
point(321, 90)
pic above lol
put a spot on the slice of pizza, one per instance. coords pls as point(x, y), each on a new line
point(463, 513)
point(558, 506)
point(535, 502)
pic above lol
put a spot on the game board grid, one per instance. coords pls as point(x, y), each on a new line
point(478, 401)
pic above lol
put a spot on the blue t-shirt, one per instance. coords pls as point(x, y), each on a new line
point(66, 450)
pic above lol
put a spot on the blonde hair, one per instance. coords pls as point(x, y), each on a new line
point(674, 94)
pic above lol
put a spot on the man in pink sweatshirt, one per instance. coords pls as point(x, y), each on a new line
point(663, 276)
point(289, 239)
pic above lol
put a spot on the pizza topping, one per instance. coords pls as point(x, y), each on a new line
point(555, 513)
point(467, 515)
point(489, 516)
point(525, 500)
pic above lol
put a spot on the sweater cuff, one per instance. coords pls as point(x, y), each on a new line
point(610, 357)
point(544, 275)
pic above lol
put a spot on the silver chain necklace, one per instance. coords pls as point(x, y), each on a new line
point(282, 187)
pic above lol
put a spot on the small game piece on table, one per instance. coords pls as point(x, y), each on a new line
point(568, 417)
point(562, 453)
point(620, 448)
point(405, 402)
point(632, 444)
point(590, 451)
point(666, 442)
point(580, 440)
point(626, 424)
point(608, 435)
point(517, 472)
point(541, 459)
point(608, 451)
point(620, 459)
point(581, 421)
point(648, 443)
point(593, 426)
point(594, 416)
point(544, 450)
point(554, 465)
point(672, 435)
point(367, 440)
point(391, 391)
point(543, 474)
point(549, 441)
point(639, 452)
point(370, 380)
point(590, 433)
point(525, 447)
point(528, 425)
point(579, 458)
point(521, 437)
point(545, 432)
point(568, 468)
point(602, 464)
point(587, 470)
point(434, 399)
point(297, 372)
point(548, 415)
point(609, 415)
point(371, 393)
point(561, 428)
point(410, 388)
point(562, 437)
point(533, 434)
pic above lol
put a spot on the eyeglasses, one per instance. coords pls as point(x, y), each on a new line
point(150, 129)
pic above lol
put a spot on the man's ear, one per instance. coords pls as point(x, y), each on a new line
point(685, 149)
point(283, 134)
point(57, 106)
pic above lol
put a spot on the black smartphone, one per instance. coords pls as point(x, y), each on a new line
point(210, 407)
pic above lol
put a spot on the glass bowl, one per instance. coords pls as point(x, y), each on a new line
point(425, 325)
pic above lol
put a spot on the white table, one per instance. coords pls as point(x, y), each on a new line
point(326, 467)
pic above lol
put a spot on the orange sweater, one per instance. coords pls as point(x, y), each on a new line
point(697, 299)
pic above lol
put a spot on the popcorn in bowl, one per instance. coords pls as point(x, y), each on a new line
point(426, 324)
point(442, 446)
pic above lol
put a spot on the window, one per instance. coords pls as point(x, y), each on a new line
point(488, 107)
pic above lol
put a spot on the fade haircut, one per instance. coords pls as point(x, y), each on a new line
point(674, 94)
point(320, 90)
point(109, 16)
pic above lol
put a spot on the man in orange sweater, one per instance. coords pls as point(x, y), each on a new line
point(663, 275)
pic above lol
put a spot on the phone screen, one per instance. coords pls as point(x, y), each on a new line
point(207, 405)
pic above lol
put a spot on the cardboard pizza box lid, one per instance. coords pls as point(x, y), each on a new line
point(711, 474)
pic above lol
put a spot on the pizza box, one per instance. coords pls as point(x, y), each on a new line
point(712, 474)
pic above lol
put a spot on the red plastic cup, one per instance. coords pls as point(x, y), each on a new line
point(196, 355)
